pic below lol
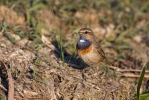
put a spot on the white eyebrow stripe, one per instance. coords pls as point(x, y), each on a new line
point(82, 40)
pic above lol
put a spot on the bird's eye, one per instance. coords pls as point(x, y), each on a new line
point(86, 32)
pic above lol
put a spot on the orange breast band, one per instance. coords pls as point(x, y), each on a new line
point(85, 51)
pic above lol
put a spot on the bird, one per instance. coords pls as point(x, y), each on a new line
point(88, 48)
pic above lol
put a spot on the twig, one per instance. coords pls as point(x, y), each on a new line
point(133, 75)
point(11, 84)
point(1, 86)
point(107, 96)
point(126, 70)
point(114, 96)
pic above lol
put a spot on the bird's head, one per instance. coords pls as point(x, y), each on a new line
point(86, 34)
point(86, 38)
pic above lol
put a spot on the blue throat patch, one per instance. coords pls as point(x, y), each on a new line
point(83, 45)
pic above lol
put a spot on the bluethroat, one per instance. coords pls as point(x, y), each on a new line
point(88, 48)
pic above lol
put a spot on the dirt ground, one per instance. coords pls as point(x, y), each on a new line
point(37, 47)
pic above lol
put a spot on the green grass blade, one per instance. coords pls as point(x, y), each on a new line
point(140, 82)
point(144, 96)
point(10, 38)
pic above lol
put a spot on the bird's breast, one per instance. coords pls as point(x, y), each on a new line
point(85, 51)
point(84, 46)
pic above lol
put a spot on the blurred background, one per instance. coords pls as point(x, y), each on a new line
point(119, 26)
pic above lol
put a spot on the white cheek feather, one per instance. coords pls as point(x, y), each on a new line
point(82, 40)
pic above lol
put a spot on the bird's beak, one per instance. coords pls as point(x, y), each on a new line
point(82, 37)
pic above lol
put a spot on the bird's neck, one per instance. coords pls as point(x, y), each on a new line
point(83, 44)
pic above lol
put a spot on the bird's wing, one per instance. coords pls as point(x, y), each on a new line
point(100, 51)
